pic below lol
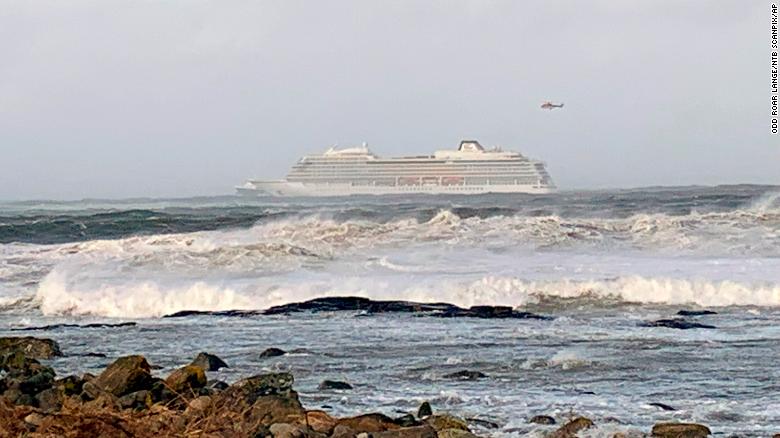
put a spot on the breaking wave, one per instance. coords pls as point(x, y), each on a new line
point(58, 295)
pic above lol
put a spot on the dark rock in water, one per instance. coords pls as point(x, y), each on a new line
point(33, 348)
point(696, 312)
point(571, 428)
point(61, 326)
point(680, 430)
point(466, 375)
point(209, 362)
point(272, 352)
point(482, 423)
point(334, 384)
point(425, 410)
point(101, 355)
point(663, 406)
point(186, 380)
point(492, 312)
point(219, 385)
point(445, 310)
point(407, 420)
point(678, 323)
point(230, 313)
point(123, 376)
point(542, 419)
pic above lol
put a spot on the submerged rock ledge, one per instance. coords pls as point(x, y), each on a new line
point(368, 306)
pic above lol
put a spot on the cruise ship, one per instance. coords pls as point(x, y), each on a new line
point(471, 169)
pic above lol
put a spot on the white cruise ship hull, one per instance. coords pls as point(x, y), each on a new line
point(286, 188)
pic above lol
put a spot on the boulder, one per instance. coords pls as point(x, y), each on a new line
point(369, 423)
point(198, 405)
point(286, 430)
point(125, 375)
point(34, 419)
point(209, 362)
point(571, 428)
point(696, 312)
point(542, 419)
point(466, 375)
point(680, 430)
point(662, 406)
point(407, 420)
point(334, 384)
point(446, 421)
point(49, 400)
point(33, 348)
point(186, 380)
point(320, 421)
point(343, 431)
point(271, 409)
point(424, 410)
point(272, 352)
point(423, 431)
point(218, 385)
point(455, 433)
point(70, 385)
point(252, 388)
point(138, 400)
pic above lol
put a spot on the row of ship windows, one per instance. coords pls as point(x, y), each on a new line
point(418, 182)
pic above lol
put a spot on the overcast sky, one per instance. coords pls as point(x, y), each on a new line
point(177, 98)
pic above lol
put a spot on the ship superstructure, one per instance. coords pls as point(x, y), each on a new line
point(471, 169)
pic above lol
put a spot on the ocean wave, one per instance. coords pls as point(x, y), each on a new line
point(60, 295)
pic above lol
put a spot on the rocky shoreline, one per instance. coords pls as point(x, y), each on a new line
point(127, 400)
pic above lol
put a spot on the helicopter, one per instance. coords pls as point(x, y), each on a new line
point(551, 106)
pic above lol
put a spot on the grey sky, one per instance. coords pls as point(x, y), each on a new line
point(177, 98)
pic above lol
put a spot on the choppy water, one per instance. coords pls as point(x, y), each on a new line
point(601, 263)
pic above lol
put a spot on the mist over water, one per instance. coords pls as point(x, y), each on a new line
point(600, 263)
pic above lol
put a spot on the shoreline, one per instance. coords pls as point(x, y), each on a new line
point(127, 400)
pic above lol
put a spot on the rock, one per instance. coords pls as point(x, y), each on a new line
point(680, 430)
point(455, 433)
point(445, 310)
point(407, 420)
point(334, 384)
point(286, 430)
point(542, 419)
point(34, 419)
point(218, 385)
point(125, 375)
point(662, 406)
point(571, 428)
point(466, 375)
point(271, 409)
point(678, 323)
point(342, 431)
point(160, 392)
point(369, 423)
point(696, 312)
point(482, 423)
point(424, 431)
point(272, 352)
point(252, 388)
point(104, 401)
point(33, 348)
point(446, 421)
point(49, 400)
point(209, 362)
point(199, 404)
point(186, 380)
point(138, 400)
point(425, 410)
point(70, 385)
point(320, 421)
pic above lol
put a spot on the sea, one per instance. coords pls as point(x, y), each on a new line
point(602, 265)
